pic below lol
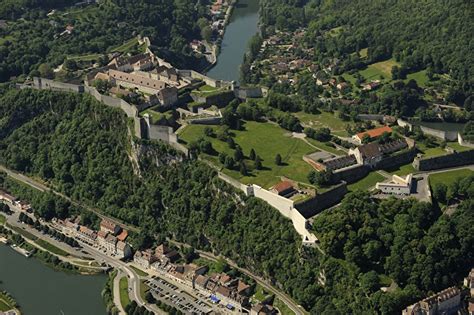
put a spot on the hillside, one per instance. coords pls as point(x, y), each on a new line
point(419, 34)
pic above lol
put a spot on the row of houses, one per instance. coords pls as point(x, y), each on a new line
point(111, 238)
point(6, 196)
point(221, 287)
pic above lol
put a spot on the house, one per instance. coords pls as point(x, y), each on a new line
point(397, 186)
point(371, 86)
point(144, 63)
point(128, 64)
point(242, 288)
point(144, 258)
point(164, 253)
point(101, 235)
point(4, 196)
point(200, 282)
point(70, 227)
point(135, 81)
point(373, 133)
point(110, 243)
point(262, 309)
point(446, 302)
point(342, 86)
point(339, 162)
point(86, 235)
point(469, 282)
point(367, 154)
point(122, 236)
point(196, 45)
point(123, 250)
point(284, 188)
point(109, 227)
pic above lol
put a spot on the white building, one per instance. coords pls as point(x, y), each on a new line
point(398, 185)
point(123, 250)
point(446, 302)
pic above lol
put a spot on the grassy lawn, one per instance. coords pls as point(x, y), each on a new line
point(366, 182)
point(124, 298)
point(143, 289)
point(2, 219)
point(402, 170)
point(449, 177)
point(51, 248)
point(325, 119)
point(267, 140)
point(459, 148)
point(430, 152)
point(125, 47)
point(382, 68)
point(207, 88)
point(4, 306)
point(420, 78)
point(282, 307)
point(349, 78)
point(324, 147)
point(140, 272)
point(385, 280)
point(260, 293)
point(333, 32)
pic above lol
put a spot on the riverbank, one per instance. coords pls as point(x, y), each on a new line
point(8, 303)
point(240, 25)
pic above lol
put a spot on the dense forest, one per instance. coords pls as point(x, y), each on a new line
point(82, 148)
point(35, 38)
point(429, 34)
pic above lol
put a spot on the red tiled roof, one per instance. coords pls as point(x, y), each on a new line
point(374, 133)
point(282, 186)
point(122, 236)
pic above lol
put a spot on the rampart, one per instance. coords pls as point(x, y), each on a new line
point(444, 161)
point(318, 203)
point(199, 76)
point(250, 92)
point(440, 134)
point(350, 174)
point(397, 159)
point(465, 143)
point(142, 128)
point(219, 99)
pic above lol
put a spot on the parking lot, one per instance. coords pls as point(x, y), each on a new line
point(170, 294)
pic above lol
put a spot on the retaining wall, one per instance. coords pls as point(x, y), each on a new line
point(397, 159)
point(463, 142)
point(318, 203)
point(221, 99)
point(253, 92)
point(370, 117)
point(350, 174)
point(444, 161)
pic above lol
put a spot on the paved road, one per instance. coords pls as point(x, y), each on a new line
point(116, 293)
point(42, 187)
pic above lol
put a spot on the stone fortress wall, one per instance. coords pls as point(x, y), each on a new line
point(142, 128)
point(444, 161)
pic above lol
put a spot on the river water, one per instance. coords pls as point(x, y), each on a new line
point(243, 24)
point(39, 290)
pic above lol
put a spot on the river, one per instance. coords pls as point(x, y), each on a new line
point(39, 290)
point(243, 24)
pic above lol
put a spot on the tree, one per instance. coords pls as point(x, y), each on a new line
point(149, 297)
point(252, 155)
point(206, 33)
point(320, 178)
point(208, 131)
point(46, 71)
point(258, 163)
point(243, 169)
point(278, 160)
point(229, 162)
point(238, 154)
point(365, 138)
point(70, 65)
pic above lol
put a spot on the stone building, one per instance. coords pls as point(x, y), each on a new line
point(397, 186)
point(446, 302)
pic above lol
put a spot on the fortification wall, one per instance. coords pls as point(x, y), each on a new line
point(229, 180)
point(221, 99)
point(205, 121)
point(463, 142)
point(254, 92)
point(283, 204)
point(318, 203)
point(441, 134)
point(350, 174)
point(444, 161)
point(47, 84)
point(397, 159)
point(403, 123)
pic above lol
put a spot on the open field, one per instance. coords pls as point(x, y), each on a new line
point(420, 78)
point(125, 47)
point(382, 68)
point(430, 152)
point(267, 140)
point(2, 219)
point(51, 248)
point(89, 57)
point(366, 182)
point(124, 298)
point(325, 119)
point(449, 177)
point(324, 147)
